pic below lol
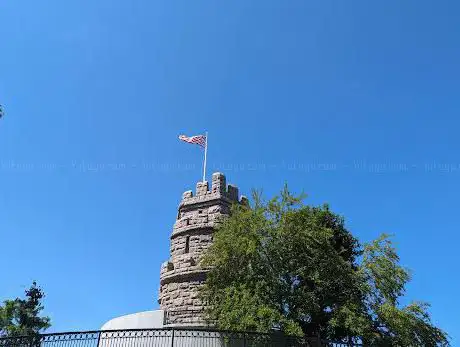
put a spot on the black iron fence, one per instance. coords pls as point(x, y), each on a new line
point(167, 337)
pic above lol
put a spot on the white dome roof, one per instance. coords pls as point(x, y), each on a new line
point(140, 320)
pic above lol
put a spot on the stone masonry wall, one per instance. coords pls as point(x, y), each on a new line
point(182, 275)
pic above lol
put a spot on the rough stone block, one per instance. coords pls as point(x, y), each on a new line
point(218, 183)
point(187, 195)
point(232, 192)
point(201, 188)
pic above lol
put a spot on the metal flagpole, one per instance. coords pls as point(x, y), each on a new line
point(205, 152)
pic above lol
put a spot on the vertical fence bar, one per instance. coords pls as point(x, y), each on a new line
point(98, 339)
point(172, 337)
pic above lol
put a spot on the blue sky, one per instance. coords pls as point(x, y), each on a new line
point(354, 102)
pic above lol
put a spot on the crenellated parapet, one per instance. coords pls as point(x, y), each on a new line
point(198, 216)
point(219, 190)
point(207, 207)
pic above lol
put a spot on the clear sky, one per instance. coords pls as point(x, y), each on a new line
point(354, 102)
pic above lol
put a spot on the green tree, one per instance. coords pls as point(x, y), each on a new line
point(21, 317)
point(284, 265)
point(384, 321)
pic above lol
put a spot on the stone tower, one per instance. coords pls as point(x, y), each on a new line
point(182, 275)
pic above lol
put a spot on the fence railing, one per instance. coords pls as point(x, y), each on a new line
point(167, 337)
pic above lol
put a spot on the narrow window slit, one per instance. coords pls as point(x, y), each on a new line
point(187, 244)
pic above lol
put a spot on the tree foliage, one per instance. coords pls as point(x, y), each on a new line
point(284, 265)
point(21, 317)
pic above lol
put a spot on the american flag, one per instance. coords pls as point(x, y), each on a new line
point(199, 140)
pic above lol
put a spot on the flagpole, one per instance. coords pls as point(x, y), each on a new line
point(205, 152)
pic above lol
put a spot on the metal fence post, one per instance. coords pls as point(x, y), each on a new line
point(244, 339)
point(172, 337)
point(99, 339)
